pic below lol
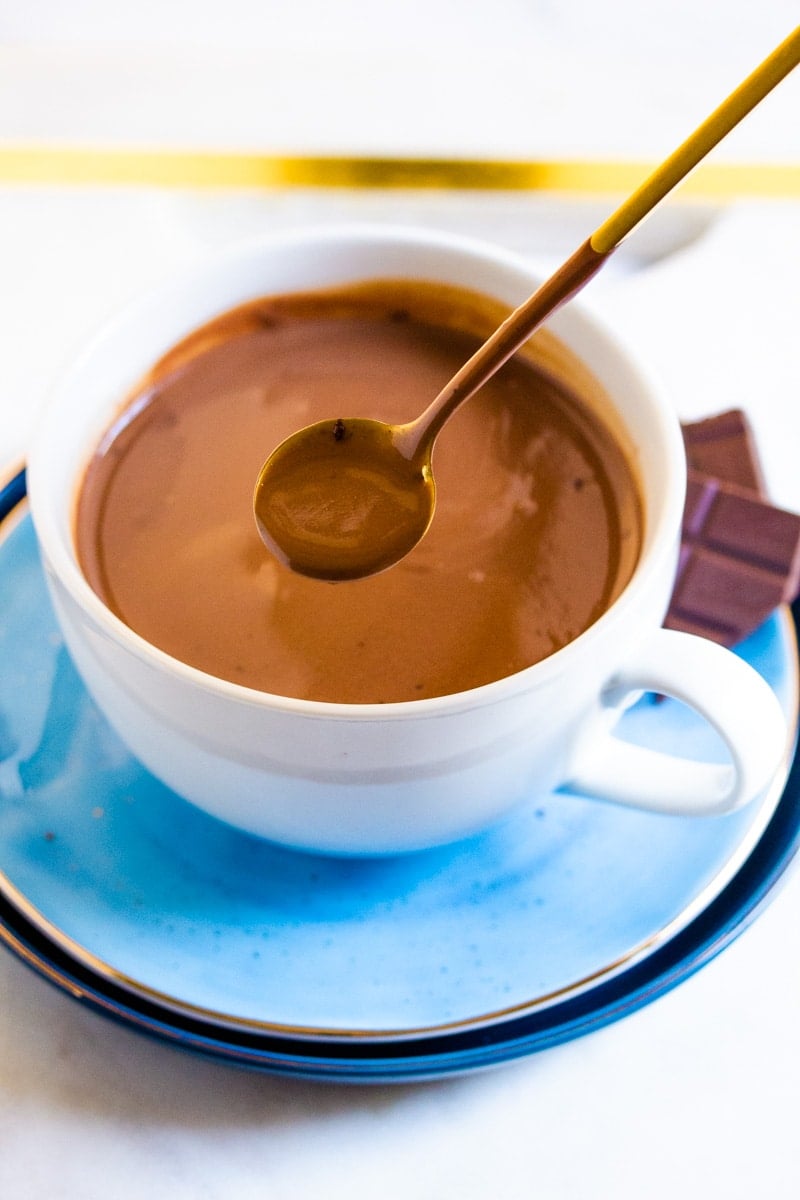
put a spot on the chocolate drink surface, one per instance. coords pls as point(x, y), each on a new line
point(537, 528)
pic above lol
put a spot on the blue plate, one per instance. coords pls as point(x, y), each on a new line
point(563, 917)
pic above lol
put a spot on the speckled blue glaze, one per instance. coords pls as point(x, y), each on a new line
point(541, 928)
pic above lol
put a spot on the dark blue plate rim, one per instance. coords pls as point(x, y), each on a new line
point(438, 1055)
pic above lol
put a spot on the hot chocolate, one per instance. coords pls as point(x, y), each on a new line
point(537, 528)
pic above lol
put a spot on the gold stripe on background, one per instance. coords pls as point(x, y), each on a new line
point(70, 165)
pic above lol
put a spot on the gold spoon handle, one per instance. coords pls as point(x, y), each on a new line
point(417, 437)
point(747, 95)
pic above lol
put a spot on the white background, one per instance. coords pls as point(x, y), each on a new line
point(697, 1094)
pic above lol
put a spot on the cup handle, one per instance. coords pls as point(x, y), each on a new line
point(723, 689)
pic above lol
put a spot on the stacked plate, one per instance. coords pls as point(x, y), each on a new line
point(566, 916)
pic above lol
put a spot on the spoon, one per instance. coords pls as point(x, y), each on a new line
point(346, 498)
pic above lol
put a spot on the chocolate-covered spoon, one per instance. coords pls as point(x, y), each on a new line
point(346, 498)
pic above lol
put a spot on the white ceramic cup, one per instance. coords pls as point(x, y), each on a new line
point(364, 779)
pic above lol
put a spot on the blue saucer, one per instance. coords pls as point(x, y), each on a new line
point(565, 916)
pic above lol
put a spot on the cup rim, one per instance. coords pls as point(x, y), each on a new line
point(661, 539)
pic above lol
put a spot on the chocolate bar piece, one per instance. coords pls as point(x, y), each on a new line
point(723, 446)
point(740, 559)
point(739, 554)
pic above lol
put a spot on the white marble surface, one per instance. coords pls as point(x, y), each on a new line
point(695, 1095)
point(517, 77)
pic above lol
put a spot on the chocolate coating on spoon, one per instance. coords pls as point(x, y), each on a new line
point(341, 501)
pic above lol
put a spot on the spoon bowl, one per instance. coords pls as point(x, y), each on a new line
point(344, 499)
